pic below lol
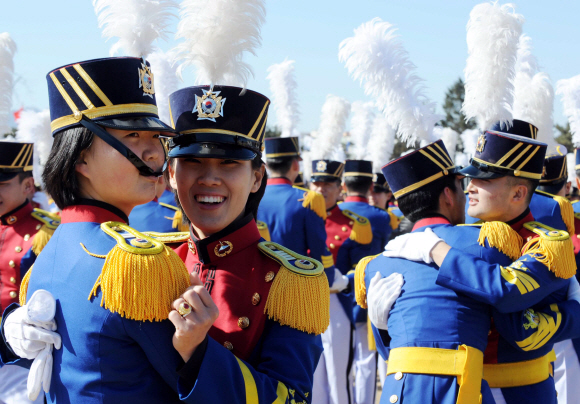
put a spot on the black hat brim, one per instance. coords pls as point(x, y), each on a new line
point(473, 172)
point(148, 123)
point(324, 178)
point(212, 150)
point(4, 176)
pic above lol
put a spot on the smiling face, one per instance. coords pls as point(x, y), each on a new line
point(106, 175)
point(213, 192)
point(498, 199)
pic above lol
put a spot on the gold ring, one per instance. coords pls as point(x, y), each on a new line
point(184, 309)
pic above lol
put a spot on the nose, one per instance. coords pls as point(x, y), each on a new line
point(209, 174)
point(153, 153)
point(470, 187)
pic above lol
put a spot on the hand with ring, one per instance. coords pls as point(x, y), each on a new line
point(193, 314)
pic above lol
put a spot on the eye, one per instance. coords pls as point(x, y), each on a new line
point(228, 162)
point(134, 134)
point(156, 136)
point(191, 160)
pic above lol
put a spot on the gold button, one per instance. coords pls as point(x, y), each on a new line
point(256, 299)
point(332, 246)
point(344, 228)
point(229, 345)
point(393, 398)
point(27, 237)
point(578, 235)
point(18, 249)
point(351, 223)
point(337, 237)
point(13, 295)
point(12, 279)
point(11, 263)
point(398, 376)
point(270, 276)
point(12, 220)
point(38, 226)
point(243, 322)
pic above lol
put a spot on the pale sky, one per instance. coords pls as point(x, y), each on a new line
point(50, 34)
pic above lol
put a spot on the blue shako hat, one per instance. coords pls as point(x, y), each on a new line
point(518, 127)
point(116, 93)
point(282, 147)
point(358, 168)
point(299, 181)
point(326, 171)
point(15, 157)
point(499, 154)
point(380, 181)
point(555, 166)
point(577, 158)
point(418, 168)
point(218, 122)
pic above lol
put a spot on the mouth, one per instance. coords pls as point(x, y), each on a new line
point(210, 201)
point(473, 201)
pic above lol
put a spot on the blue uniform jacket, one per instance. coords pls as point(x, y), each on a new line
point(155, 216)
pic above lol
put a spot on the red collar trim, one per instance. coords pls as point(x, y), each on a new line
point(519, 225)
point(356, 199)
point(279, 181)
point(15, 216)
point(430, 221)
point(87, 213)
point(334, 210)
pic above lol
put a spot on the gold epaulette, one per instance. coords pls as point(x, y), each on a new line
point(263, 229)
point(371, 336)
point(553, 248)
point(395, 220)
point(50, 222)
point(168, 238)
point(24, 287)
point(566, 210)
point(141, 276)
point(314, 201)
point(177, 218)
point(299, 296)
point(502, 237)
point(361, 231)
point(360, 288)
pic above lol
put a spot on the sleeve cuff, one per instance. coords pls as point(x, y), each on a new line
point(189, 371)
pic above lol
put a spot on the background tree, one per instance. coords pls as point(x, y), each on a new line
point(565, 137)
point(454, 118)
point(273, 131)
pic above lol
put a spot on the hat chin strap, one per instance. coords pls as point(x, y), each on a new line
point(116, 144)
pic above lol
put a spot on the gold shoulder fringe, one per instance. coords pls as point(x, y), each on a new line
point(566, 210)
point(139, 282)
point(360, 288)
point(395, 220)
point(263, 229)
point(501, 236)
point(24, 287)
point(178, 222)
point(314, 201)
point(299, 296)
point(361, 229)
point(553, 248)
point(50, 222)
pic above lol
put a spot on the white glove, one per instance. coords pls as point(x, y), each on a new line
point(40, 373)
point(574, 290)
point(415, 246)
point(340, 282)
point(381, 296)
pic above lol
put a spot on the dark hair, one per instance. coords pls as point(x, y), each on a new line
point(424, 201)
point(378, 188)
point(280, 165)
point(59, 175)
point(24, 175)
point(358, 185)
point(553, 188)
point(530, 184)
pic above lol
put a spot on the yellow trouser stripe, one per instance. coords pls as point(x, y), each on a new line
point(282, 393)
point(516, 374)
point(250, 384)
point(546, 329)
point(524, 282)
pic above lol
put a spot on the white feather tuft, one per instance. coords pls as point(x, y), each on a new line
point(166, 81)
point(376, 57)
point(361, 124)
point(306, 165)
point(216, 35)
point(569, 91)
point(469, 139)
point(381, 143)
point(7, 51)
point(283, 86)
point(449, 137)
point(571, 162)
point(534, 94)
point(493, 32)
point(34, 127)
point(137, 23)
point(328, 138)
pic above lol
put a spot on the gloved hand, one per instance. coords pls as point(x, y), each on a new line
point(40, 373)
point(340, 282)
point(574, 290)
point(381, 296)
point(413, 246)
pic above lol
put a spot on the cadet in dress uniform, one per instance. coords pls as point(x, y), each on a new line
point(349, 238)
point(380, 196)
point(295, 216)
point(24, 231)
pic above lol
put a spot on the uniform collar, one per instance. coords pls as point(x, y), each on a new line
point(234, 238)
point(356, 199)
point(431, 221)
point(12, 217)
point(91, 210)
point(335, 209)
point(518, 223)
point(279, 181)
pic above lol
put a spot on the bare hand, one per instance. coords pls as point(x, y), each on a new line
point(191, 330)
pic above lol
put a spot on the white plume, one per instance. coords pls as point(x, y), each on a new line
point(461, 159)
point(361, 124)
point(306, 164)
point(166, 81)
point(534, 94)
point(7, 51)
point(34, 127)
point(469, 139)
point(283, 87)
point(215, 36)
point(376, 57)
point(449, 137)
point(335, 112)
point(381, 143)
point(571, 162)
point(137, 23)
point(569, 91)
point(493, 32)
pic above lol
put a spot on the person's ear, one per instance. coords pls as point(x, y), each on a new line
point(295, 165)
point(447, 197)
point(520, 194)
point(81, 165)
point(258, 176)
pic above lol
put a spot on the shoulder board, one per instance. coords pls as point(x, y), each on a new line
point(395, 220)
point(476, 224)
point(50, 222)
point(361, 228)
point(141, 276)
point(263, 229)
point(566, 210)
point(573, 202)
point(577, 215)
point(168, 238)
point(299, 296)
point(168, 206)
point(314, 201)
point(553, 248)
point(360, 288)
point(501, 236)
point(391, 211)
